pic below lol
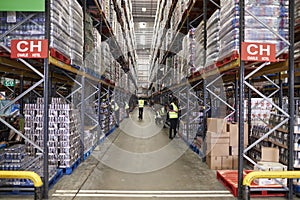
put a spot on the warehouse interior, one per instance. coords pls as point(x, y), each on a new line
point(91, 90)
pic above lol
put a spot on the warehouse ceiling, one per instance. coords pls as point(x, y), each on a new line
point(143, 12)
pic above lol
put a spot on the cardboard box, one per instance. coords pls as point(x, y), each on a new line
point(234, 134)
point(216, 125)
point(213, 138)
point(269, 154)
point(218, 149)
point(227, 162)
point(214, 162)
point(264, 181)
point(235, 162)
point(270, 166)
point(233, 151)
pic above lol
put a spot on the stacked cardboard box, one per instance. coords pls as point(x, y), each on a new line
point(270, 162)
point(218, 144)
point(260, 111)
point(222, 144)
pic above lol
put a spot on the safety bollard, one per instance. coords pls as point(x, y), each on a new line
point(38, 194)
point(246, 192)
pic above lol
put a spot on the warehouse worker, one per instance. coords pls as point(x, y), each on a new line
point(116, 110)
point(127, 109)
point(141, 108)
point(173, 117)
point(163, 113)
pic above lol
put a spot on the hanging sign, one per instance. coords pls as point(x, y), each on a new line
point(9, 82)
point(22, 5)
point(29, 49)
point(258, 52)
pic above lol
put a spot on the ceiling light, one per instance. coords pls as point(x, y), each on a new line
point(144, 9)
point(142, 24)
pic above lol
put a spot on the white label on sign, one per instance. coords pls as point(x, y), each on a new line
point(11, 17)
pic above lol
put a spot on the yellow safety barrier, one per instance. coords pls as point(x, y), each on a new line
point(34, 177)
point(266, 174)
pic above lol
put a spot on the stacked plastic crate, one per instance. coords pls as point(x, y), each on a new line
point(213, 43)
point(76, 33)
point(60, 27)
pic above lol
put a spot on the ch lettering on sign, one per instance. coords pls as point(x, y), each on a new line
point(261, 52)
point(29, 48)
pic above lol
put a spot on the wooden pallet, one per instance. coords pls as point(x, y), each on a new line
point(229, 178)
point(69, 170)
point(4, 54)
point(227, 59)
point(56, 178)
point(210, 68)
point(59, 56)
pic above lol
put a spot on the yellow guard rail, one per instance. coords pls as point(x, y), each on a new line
point(35, 178)
point(266, 174)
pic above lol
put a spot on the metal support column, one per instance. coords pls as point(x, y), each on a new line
point(109, 108)
point(82, 115)
point(84, 29)
point(249, 111)
point(236, 96)
point(280, 90)
point(21, 91)
point(99, 102)
point(204, 80)
point(291, 81)
point(241, 103)
point(46, 104)
point(204, 119)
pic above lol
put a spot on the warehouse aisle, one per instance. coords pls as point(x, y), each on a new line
point(131, 175)
point(110, 174)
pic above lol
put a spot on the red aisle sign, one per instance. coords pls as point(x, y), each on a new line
point(29, 49)
point(258, 52)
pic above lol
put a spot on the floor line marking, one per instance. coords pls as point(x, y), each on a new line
point(66, 191)
point(155, 192)
point(146, 195)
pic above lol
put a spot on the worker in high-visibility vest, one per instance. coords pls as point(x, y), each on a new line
point(126, 109)
point(141, 108)
point(173, 118)
point(116, 110)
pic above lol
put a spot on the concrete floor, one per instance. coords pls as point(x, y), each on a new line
point(139, 161)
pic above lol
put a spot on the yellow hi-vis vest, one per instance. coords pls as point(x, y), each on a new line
point(114, 106)
point(141, 103)
point(174, 113)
